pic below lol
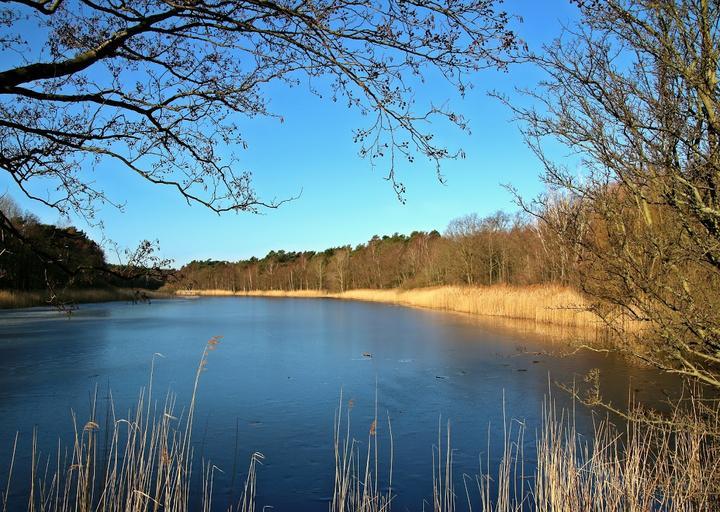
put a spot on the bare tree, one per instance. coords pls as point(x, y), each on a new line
point(464, 231)
point(157, 87)
point(319, 265)
point(493, 229)
point(339, 267)
point(633, 91)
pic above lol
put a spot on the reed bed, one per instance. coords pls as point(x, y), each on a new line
point(548, 304)
point(356, 485)
point(669, 464)
point(10, 299)
point(544, 304)
point(655, 463)
point(144, 463)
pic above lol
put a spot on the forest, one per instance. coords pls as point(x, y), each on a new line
point(473, 250)
point(39, 257)
point(501, 248)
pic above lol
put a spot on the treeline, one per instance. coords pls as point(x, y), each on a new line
point(498, 249)
point(38, 256)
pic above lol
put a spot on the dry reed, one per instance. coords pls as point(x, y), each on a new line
point(548, 304)
point(672, 464)
point(356, 487)
point(669, 463)
point(147, 464)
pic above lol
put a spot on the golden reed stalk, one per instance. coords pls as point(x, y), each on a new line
point(549, 304)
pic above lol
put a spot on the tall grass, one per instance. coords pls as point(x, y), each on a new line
point(672, 464)
point(356, 487)
point(669, 462)
point(549, 304)
point(145, 464)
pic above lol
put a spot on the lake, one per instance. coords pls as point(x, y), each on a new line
point(274, 383)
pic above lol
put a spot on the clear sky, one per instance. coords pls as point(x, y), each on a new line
point(343, 200)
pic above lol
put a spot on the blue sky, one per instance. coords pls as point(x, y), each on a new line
point(343, 201)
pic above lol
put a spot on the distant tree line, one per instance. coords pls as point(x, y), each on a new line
point(497, 249)
point(38, 256)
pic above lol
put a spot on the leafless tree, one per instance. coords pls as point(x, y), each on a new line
point(319, 266)
point(464, 231)
point(157, 87)
point(339, 266)
point(632, 90)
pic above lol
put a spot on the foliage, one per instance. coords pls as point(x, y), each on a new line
point(21, 268)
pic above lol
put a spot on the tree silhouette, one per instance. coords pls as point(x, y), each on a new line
point(157, 87)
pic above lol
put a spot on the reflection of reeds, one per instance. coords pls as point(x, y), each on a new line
point(548, 304)
point(18, 299)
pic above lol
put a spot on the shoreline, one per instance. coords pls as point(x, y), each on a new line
point(12, 299)
point(544, 304)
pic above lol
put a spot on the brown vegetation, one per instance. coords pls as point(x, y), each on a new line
point(474, 251)
point(147, 464)
point(549, 304)
point(632, 90)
